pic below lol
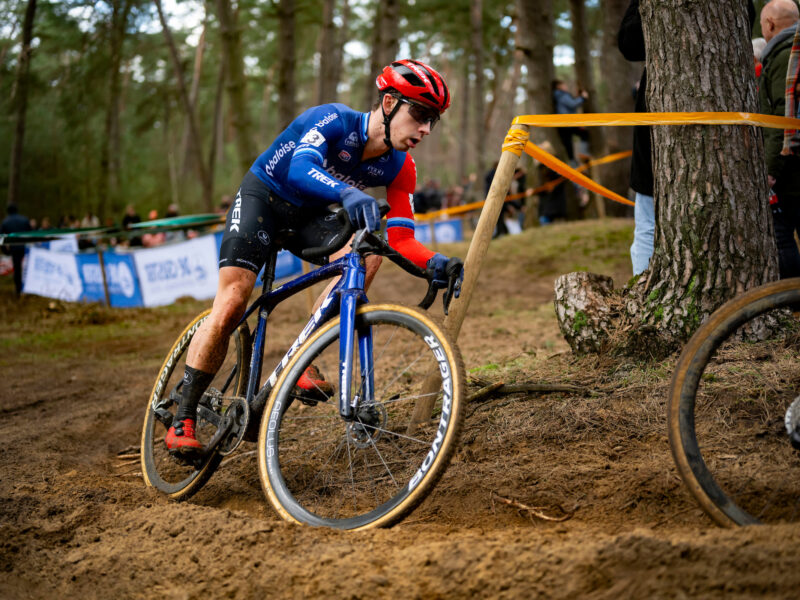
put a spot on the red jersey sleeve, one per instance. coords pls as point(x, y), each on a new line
point(400, 220)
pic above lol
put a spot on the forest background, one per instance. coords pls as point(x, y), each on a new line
point(110, 103)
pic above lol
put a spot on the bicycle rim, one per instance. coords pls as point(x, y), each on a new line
point(168, 474)
point(320, 470)
point(730, 392)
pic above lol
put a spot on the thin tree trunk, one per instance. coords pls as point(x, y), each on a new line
point(19, 101)
point(341, 37)
point(385, 43)
point(583, 70)
point(186, 151)
point(537, 42)
point(476, 43)
point(286, 63)
point(214, 149)
point(714, 234)
point(326, 48)
point(205, 180)
point(110, 159)
point(235, 79)
point(465, 157)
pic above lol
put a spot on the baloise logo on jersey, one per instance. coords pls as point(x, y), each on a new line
point(346, 179)
point(283, 150)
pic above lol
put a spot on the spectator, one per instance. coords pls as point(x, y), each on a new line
point(779, 20)
point(15, 223)
point(428, 198)
point(45, 224)
point(567, 104)
point(156, 238)
point(131, 217)
point(174, 235)
point(552, 204)
point(631, 43)
point(90, 220)
point(758, 50)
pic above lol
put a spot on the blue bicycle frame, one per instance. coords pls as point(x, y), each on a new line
point(343, 300)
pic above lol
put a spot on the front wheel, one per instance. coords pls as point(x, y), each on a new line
point(320, 470)
point(734, 388)
point(174, 476)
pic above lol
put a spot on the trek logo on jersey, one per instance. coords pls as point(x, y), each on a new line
point(352, 140)
point(344, 155)
point(374, 171)
point(313, 138)
point(273, 161)
point(236, 213)
point(322, 178)
point(330, 117)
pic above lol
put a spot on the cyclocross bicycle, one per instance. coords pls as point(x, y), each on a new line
point(355, 458)
point(734, 408)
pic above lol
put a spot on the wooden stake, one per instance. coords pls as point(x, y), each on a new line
point(472, 268)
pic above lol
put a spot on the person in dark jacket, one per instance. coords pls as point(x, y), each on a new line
point(630, 40)
point(15, 223)
point(779, 20)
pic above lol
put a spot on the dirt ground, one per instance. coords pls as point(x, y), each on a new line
point(76, 521)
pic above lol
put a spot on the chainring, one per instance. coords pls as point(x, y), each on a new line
point(239, 411)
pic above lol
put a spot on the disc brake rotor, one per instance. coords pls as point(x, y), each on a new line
point(366, 429)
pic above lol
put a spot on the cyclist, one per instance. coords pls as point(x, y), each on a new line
point(327, 155)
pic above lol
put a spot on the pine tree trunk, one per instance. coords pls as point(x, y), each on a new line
point(478, 131)
point(326, 47)
point(714, 234)
point(583, 70)
point(235, 79)
point(286, 63)
point(20, 103)
point(464, 158)
point(537, 42)
point(112, 146)
point(186, 151)
point(205, 179)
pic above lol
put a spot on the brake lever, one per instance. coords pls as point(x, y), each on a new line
point(430, 296)
point(452, 288)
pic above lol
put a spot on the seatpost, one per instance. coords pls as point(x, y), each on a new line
point(269, 273)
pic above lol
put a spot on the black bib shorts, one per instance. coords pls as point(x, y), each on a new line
point(260, 223)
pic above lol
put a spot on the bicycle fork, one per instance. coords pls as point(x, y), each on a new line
point(351, 297)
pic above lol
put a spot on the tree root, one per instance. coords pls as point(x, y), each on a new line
point(533, 511)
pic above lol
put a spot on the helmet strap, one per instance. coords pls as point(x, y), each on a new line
point(387, 119)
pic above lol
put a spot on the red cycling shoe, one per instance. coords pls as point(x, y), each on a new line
point(312, 386)
point(181, 440)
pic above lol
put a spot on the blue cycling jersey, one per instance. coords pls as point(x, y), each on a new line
point(319, 155)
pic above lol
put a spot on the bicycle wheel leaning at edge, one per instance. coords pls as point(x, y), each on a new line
point(320, 470)
point(731, 392)
point(170, 475)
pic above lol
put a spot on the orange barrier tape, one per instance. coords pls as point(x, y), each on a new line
point(547, 187)
point(564, 169)
point(663, 118)
point(515, 141)
point(627, 119)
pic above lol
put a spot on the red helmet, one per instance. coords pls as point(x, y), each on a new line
point(416, 81)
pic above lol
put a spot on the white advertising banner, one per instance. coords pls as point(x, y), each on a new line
point(68, 243)
point(185, 269)
point(52, 274)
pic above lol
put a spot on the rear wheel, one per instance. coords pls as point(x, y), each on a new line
point(731, 394)
point(320, 470)
point(174, 476)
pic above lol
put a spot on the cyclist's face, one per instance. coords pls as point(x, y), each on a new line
point(410, 124)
